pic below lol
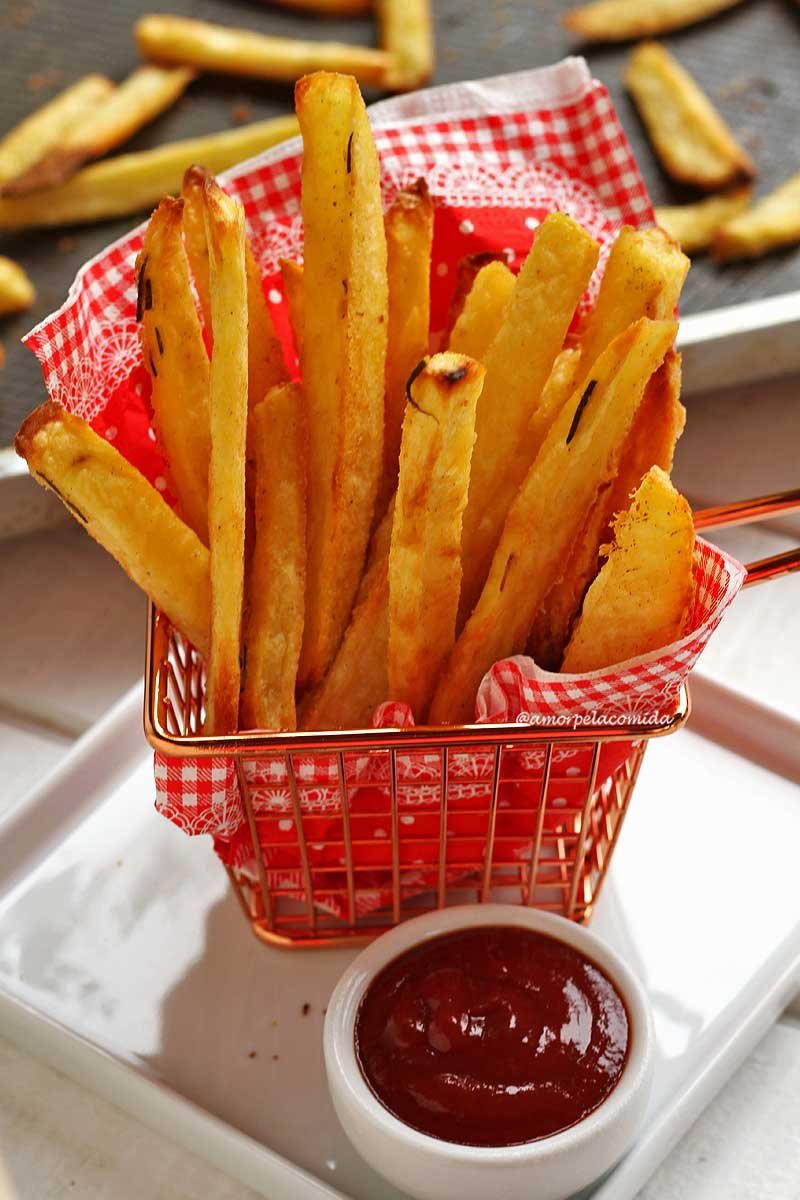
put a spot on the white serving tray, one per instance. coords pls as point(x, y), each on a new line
point(126, 963)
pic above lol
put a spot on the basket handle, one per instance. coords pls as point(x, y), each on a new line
point(744, 512)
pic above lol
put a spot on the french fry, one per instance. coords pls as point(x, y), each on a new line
point(483, 288)
point(644, 275)
point(265, 364)
point(654, 434)
point(358, 678)
point(176, 360)
point(406, 28)
point(409, 237)
point(688, 134)
point(377, 550)
point(16, 291)
point(124, 513)
point(771, 223)
point(276, 580)
point(621, 20)
point(577, 460)
point(467, 270)
point(292, 277)
point(344, 351)
point(131, 183)
point(225, 235)
point(425, 555)
point(29, 144)
point(518, 363)
point(562, 380)
point(194, 236)
point(693, 226)
point(656, 428)
point(641, 597)
point(138, 100)
point(185, 42)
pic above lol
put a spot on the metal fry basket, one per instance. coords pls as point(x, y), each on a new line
point(348, 833)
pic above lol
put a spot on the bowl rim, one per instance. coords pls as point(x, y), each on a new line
point(344, 1072)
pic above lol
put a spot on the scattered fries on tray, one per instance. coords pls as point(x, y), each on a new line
point(16, 291)
point(770, 224)
point(129, 183)
point(44, 179)
point(374, 532)
point(184, 41)
point(621, 20)
point(696, 147)
point(689, 136)
point(694, 226)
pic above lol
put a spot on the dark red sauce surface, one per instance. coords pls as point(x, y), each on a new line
point(492, 1036)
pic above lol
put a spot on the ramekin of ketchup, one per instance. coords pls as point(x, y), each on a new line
point(489, 1051)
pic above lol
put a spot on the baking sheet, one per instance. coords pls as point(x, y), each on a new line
point(747, 58)
point(125, 960)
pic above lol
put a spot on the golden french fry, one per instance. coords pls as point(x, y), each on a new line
point(467, 270)
point(425, 555)
point(357, 681)
point(194, 236)
point(137, 101)
point(562, 381)
point(577, 460)
point(654, 434)
point(292, 277)
point(620, 20)
point(186, 42)
point(377, 550)
point(771, 223)
point(559, 609)
point(26, 147)
point(130, 183)
point(407, 34)
point(358, 678)
point(409, 237)
point(688, 134)
point(641, 597)
point(276, 579)
point(16, 291)
point(265, 364)
point(518, 363)
point(693, 226)
point(346, 8)
point(656, 428)
point(643, 278)
point(124, 513)
point(344, 351)
point(225, 235)
point(483, 288)
point(176, 360)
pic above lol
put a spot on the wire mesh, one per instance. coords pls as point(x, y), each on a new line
point(371, 827)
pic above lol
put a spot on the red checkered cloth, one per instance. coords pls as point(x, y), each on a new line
point(498, 156)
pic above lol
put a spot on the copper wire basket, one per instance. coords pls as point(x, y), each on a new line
point(556, 856)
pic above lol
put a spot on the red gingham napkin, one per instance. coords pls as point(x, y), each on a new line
point(498, 155)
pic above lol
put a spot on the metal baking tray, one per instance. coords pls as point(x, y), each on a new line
point(746, 58)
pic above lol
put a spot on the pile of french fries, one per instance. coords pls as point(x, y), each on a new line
point(400, 519)
point(690, 138)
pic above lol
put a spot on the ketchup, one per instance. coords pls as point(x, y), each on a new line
point(492, 1036)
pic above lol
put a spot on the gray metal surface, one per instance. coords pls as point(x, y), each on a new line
point(748, 59)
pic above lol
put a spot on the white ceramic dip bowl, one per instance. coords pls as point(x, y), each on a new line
point(550, 1168)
